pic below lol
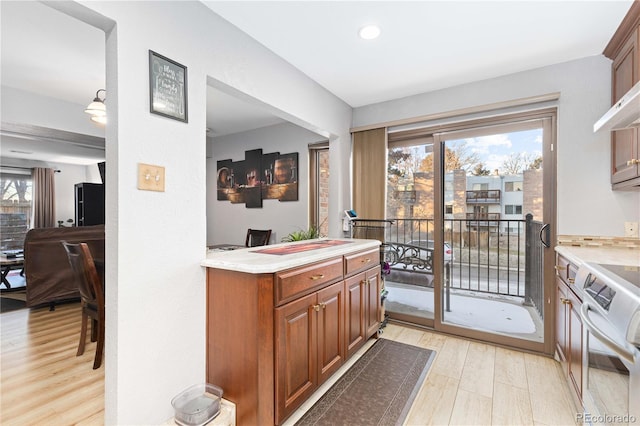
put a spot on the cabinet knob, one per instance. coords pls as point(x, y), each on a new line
point(316, 277)
point(571, 280)
point(323, 305)
point(560, 268)
point(367, 260)
point(565, 301)
point(316, 308)
point(633, 162)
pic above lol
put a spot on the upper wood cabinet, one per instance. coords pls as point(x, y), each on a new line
point(624, 51)
point(625, 68)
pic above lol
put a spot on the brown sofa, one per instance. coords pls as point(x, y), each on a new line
point(47, 271)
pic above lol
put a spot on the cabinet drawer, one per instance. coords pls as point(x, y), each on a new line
point(357, 262)
point(566, 270)
point(301, 281)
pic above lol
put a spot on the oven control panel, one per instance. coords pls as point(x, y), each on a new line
point(601, 293)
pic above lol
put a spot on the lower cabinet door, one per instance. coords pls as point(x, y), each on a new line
point(296, 353)
point(575, 343)
point(561, 320)
point(354, 321)
point(331, 352)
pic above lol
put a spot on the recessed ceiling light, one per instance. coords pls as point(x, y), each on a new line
point(369, 32)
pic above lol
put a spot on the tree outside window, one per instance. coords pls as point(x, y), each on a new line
point(15, 210)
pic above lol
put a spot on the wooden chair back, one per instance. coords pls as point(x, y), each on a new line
point(92, 295)
point(85, 273)
point(257, 237)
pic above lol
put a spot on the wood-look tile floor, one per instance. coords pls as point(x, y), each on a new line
point(43, 382)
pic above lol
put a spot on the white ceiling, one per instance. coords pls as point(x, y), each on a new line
point(424, 46)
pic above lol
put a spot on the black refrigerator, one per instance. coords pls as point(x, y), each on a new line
point(89, 199)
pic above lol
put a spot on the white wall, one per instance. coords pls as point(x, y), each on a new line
point(69, 175)
point(23, 107)
point(586, 205)
point(155, 286)
point(226, 222)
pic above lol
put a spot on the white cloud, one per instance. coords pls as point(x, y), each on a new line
point(494, 161)
point(483, 144)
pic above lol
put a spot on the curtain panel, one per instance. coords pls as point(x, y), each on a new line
point(369, 170)
point(43, 198)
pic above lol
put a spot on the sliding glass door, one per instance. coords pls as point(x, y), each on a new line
point(469, 206)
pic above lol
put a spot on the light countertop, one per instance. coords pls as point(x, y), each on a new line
point(252, 261)
point(600, 254)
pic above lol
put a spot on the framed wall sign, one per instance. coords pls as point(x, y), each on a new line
point(167, 87)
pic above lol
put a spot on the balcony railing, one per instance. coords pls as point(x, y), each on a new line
point(484, 196)
point(484, 260)
point(484, 219)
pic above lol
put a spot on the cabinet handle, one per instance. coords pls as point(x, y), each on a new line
point(571, 280)
point(633, 162)
point(316, 308)
point(367, 260)
point(316, 277)
point(565, 301)
point(560, 268)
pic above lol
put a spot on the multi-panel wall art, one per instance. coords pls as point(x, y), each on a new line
point(259, 176)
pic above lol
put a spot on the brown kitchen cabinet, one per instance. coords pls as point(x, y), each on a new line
point(363, 308)
point(624, 50)
point(309, 345)
point(274, 338)
point(569, 326)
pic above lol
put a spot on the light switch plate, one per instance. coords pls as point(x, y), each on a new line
point(150, 177)
point(631, 229)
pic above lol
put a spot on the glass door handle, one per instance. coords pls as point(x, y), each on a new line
point(544, 228)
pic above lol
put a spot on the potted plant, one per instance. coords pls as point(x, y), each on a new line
point(302, 234)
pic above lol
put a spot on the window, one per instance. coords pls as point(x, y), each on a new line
point(480, 186)
point(15, 209)
point(319, 186)
point(448, 209)
point(513, 186)
point(512, 209)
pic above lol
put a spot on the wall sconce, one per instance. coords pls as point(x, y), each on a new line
point(97, 109)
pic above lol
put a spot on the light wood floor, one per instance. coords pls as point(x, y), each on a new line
point(43, 382)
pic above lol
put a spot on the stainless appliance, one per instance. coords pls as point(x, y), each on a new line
point(611, 337)
point(624, 114)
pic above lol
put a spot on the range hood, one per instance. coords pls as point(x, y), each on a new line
point(624, 114)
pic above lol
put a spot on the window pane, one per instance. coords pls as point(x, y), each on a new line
point(15, 210)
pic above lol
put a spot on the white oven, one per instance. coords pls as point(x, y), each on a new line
point(611, 325)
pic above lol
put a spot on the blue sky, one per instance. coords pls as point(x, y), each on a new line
point(494, 149)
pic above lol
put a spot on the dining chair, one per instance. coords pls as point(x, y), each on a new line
point(91, 295)
point(257, 237)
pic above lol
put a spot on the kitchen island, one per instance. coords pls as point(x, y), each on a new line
point(281, 319)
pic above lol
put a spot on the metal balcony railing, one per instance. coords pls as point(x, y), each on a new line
point(484, 260)
point(484, 196)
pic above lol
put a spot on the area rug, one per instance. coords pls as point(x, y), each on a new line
point(377, 390)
